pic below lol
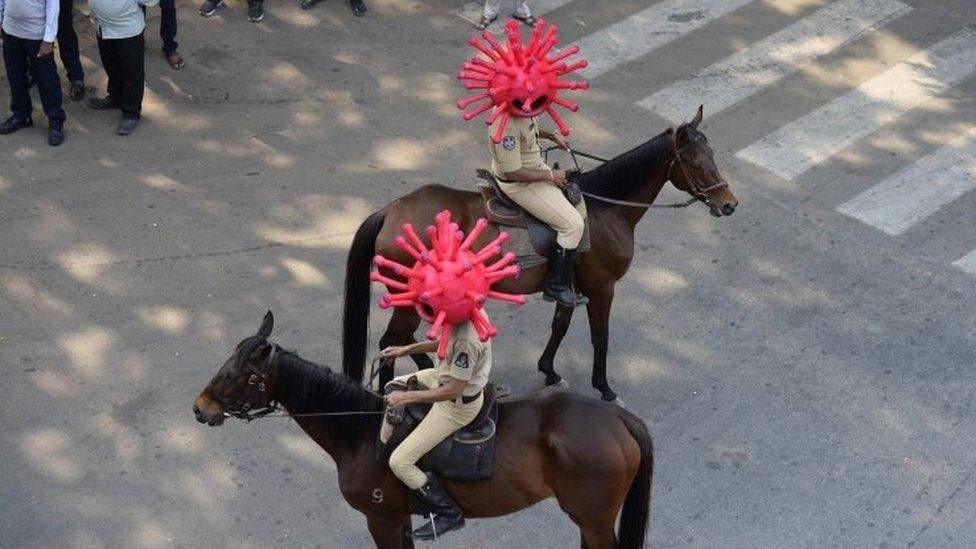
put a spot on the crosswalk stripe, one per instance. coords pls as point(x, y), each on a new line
point(919, 190)
point(967, 262)
point(818, 135)
point(648, 30)
point(472, 12)
point(772, 59)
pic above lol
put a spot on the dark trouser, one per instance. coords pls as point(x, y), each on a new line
point(68, 42)
point(19, 57)
point(167, 25)
point(124, 60)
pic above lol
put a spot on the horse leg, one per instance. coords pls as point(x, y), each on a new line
point(399, 331)
point(560, 324)
point(600, 538)
point(390, 532)
point(598, 312)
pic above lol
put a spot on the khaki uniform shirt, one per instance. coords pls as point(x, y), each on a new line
point(519, 147)
point(468, 359)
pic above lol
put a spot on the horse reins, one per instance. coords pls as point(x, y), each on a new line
point(242, 407)
point(698, 193)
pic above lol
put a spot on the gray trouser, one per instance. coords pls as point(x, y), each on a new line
point(492, 7)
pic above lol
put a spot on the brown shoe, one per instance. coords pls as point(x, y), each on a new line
point(175, 60)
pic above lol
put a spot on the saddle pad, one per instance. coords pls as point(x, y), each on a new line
point(520, 243)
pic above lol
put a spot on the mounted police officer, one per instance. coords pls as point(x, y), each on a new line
point(455, 387)
point(521, 81)
point(517, 164)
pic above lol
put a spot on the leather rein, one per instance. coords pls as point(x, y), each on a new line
point(698, 192)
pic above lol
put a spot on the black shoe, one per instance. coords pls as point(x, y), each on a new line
point(309, 4)
point(559, 283)
point(127, 126)
point(209, 7)
point(255, 11)
point(445, 514)
point(77, 91)
point(358, 7)
point(13, 124)
point(55, 133)
point(102, 104)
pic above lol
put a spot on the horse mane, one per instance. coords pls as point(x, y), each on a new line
point(308, 388)
point(618, 177)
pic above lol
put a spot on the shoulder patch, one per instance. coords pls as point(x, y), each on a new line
point(508, 142)
point(461, 361)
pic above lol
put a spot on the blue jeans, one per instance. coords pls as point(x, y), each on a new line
point(167, 25)
point(19, 57)
point(68, 42)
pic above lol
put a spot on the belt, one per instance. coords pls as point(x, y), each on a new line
point(470, 399)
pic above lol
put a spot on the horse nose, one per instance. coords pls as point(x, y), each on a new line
point(728, 209)
point(199, 414)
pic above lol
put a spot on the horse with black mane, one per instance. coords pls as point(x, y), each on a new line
point(631, 183)
point(595, 458)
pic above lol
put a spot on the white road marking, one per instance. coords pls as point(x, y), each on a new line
point(472, 12)
point(967, 262)
point(919, 190)
point(818, 135)
point(648, 30)
point(772, 59)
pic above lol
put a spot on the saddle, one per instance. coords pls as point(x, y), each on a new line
point(503, 211)
point(468, 454)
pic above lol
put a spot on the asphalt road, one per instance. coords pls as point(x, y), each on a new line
point(806, 365)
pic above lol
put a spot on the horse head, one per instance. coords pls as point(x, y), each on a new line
point(693, 169)
point(244, 382)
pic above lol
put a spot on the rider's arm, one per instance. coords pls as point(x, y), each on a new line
point(557, 138)
point(412, 349)
point(526, 175)
point(448, 391)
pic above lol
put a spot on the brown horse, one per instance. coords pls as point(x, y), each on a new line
point(595, 458)
point(682, 156)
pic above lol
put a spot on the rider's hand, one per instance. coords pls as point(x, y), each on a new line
point(560, 140)
point(394, 351)
point(398, 399)
point(559, 178)
point(46, 49)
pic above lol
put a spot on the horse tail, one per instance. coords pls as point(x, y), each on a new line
point(355, 322)
point(637, 504)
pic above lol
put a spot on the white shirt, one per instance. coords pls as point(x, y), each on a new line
point(116, 19)
point(30, 19)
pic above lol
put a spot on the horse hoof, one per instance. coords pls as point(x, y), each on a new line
point(619, 402)
point(561, 383)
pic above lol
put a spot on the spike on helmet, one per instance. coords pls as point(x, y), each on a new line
point(517, 80)
point(449, 279)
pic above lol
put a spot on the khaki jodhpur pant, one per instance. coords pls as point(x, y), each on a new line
point(444, 418)
point(546, 201)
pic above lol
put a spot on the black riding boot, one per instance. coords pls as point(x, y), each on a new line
point(445, 514)
point(559, 284)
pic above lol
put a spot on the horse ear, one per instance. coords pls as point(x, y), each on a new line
point(697, 119)
point(266, 325)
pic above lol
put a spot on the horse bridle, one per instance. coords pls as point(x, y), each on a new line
point(697, 191)
point(241, 406)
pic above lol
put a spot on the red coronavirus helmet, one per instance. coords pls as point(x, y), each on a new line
point(449, 282)
point(520, 80)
